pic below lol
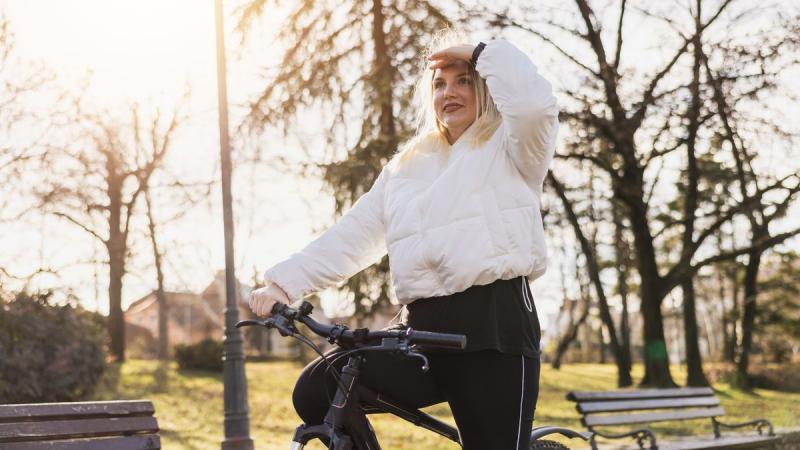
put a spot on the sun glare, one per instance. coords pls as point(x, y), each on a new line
point(133, 49)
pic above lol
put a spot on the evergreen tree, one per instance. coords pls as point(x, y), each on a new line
point(360, 60)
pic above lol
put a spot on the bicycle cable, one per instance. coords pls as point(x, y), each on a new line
point(305, 340)
point(340, 356)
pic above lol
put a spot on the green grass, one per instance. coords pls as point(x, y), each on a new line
point(190, 411)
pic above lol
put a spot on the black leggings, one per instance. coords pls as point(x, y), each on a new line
point(492, 395)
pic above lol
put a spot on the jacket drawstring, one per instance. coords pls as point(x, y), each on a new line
point(525, 296)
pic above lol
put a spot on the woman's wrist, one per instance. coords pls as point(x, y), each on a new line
point(473, 61)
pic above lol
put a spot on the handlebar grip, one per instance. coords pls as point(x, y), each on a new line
point(441, 339)
point(278, 308)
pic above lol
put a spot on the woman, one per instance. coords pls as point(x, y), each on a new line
point(458, 211)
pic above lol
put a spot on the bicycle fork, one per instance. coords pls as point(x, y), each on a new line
point(345, 421)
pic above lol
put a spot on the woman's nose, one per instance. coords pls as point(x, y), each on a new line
point(449, 90)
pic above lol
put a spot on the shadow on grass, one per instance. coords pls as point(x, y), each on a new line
point(137, 380)
point(200, 374)
point(108, 385)
point(161, 375)
point(184, 440)
point(728, 393)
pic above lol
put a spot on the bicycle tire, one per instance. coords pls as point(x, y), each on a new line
point(547, 445)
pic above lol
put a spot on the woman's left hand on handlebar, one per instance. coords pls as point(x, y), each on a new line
point(450, 55)
point(262, 299)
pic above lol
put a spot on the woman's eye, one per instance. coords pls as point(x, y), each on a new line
point(438, 85)
point(464, 81)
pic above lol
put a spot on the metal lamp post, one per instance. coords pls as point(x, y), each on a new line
point(237, 421)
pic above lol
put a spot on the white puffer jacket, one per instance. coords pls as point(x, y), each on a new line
point(449, 222)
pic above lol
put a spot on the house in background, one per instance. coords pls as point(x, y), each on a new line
point(194, 317)
point(191, 320)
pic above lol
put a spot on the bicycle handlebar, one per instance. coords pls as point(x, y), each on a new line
point(283, 317)
point(458, 341)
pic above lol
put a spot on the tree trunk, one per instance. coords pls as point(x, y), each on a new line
point(625, 330)
point(656, 359)
point(116, 319)
point(652, 292)
point(161, 297)
point(735, 313)
point(602, 342)
point(748, 318)
point(694, 363)
point(623, 373)
point(623, 264)
point(384, 72)
point(722, 301)
point(116, 246)
point(569, 337)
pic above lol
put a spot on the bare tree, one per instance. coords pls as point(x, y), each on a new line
point(183, 197)
point(161, 296)
point(763, 210)
point(94, 181)
point(623, 263)
point(572, 307)
point(640, 116)
point(21, 127)
point(593, 268)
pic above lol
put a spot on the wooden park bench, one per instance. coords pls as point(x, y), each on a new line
point(112, 425)
point(623, 408)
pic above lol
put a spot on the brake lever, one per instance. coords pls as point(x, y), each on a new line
point(284, 326)
point(249, 323)
point(425, 365)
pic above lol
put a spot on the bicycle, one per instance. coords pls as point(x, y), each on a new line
point(346, 426)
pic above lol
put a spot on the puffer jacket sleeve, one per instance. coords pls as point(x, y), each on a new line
point(356, 241)
point(527, 106)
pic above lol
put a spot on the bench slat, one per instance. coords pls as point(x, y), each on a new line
point(589, 396)
point(638, 405)
point(593, 421)
point(138, 442)
point(63, 429)
point(38, 411)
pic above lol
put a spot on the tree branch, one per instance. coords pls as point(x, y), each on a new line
point(79, 224)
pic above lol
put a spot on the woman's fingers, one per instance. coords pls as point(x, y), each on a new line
point(266, 306)
point(258, 302)
point(263, 299)
point(263, 306)
point(441, 63)
point(458, 52)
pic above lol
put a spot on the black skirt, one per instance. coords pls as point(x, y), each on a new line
point(500, 316)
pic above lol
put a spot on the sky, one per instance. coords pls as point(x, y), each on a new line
point(149, 51)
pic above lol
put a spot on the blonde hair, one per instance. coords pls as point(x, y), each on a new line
point(431, 134)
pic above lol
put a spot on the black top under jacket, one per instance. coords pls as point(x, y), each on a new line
point(500, 315)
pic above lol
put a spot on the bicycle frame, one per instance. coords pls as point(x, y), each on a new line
point(346, 425)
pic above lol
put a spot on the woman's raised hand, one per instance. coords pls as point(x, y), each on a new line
point(262, 299)
point(450, 55)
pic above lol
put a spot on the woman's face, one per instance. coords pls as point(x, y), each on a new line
point(454, 98)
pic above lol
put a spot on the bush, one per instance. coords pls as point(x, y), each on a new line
point(204, 355)
point(49, 353)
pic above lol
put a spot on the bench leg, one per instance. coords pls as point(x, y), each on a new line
point(641, 435)
point(760, 424)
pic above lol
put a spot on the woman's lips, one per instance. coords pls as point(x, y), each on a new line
point(451, 108)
